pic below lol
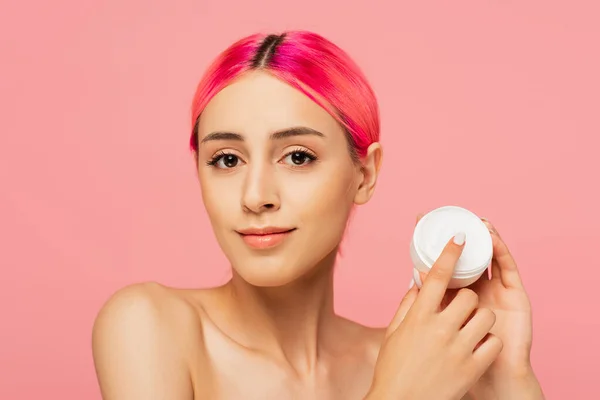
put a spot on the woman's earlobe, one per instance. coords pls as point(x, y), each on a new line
point(371, 165)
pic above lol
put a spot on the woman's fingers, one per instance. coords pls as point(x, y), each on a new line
point(403, 309)
point(487, 350)
point(419, 216)
point(503, 263)
point(461, 307)
point(478, 327)
point(435, 285)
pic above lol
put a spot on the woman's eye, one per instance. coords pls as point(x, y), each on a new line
point(298, 158)
point(225, 161)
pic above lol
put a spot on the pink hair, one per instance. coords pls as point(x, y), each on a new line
point(309, 63)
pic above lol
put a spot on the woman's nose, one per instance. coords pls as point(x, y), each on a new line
point(260, 190)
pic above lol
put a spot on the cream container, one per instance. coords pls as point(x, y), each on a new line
point(436, 228)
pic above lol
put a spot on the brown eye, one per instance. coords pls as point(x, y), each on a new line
point(224, 161)
point(299, 158)
point(229, 160)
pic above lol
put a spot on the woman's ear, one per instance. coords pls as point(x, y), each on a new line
point(371, 164)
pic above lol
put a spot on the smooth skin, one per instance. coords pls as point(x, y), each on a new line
point(270, 156)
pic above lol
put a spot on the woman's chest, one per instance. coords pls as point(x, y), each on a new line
point(236, 374)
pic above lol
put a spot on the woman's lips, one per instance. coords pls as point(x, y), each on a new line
point(265, 238)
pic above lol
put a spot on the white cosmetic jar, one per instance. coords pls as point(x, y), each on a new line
point(436, 228)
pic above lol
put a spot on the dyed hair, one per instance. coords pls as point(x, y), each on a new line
point(309, 63)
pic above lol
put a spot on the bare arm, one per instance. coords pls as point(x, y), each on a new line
point(136, 353)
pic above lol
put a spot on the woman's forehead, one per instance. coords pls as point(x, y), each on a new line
point(260, 101)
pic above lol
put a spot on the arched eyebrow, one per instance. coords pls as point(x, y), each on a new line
point(222, 136)
point(277, 135)
point(296, 131)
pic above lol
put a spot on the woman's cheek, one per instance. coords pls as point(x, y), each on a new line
point(218, 195)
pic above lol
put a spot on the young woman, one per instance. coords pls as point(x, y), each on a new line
point(285, 133)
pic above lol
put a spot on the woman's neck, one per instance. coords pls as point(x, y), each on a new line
point(289, 322)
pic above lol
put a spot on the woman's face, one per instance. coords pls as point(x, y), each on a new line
point(277, 179)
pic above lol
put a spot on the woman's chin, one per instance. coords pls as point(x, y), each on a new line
point(268, 280)
point(265, 275)
point(281, 268)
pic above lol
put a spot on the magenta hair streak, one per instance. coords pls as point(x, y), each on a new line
point(309, 63)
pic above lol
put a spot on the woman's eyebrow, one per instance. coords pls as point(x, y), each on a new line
point(280, 134)
point(295, 131)
point(222, 136)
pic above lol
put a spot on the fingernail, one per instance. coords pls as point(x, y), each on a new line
point(459, 238)
point(487, 221)
point(412, 283)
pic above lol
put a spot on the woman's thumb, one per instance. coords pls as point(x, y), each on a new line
point(403, 308)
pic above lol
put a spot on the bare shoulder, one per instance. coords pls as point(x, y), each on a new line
point(144, 292)
point(142, 341)
point(141, 306)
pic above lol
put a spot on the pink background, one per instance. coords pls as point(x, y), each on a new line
point(492, 105)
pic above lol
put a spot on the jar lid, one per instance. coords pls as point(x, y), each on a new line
point(437, 227)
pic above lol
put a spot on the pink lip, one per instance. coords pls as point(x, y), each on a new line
point(264, 238)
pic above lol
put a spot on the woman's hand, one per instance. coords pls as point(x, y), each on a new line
point(510, 376)
point(430, 353)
